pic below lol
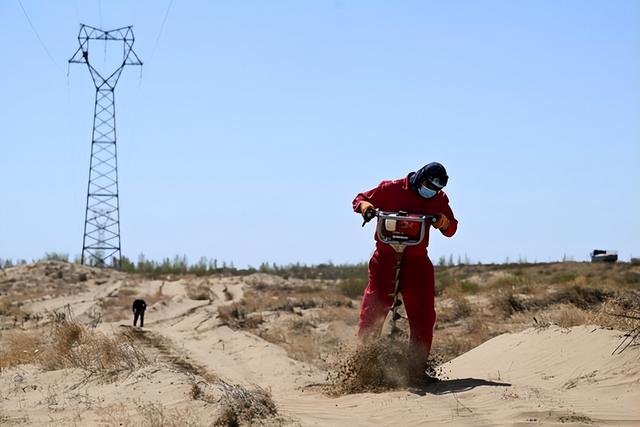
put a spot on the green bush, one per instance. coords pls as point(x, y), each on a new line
point(56, 256)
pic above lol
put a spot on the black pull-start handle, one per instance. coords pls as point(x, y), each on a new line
point(368, 215)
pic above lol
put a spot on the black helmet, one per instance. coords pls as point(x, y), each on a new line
point(433, 175)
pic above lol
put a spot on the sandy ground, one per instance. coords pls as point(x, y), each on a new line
point(541, 376)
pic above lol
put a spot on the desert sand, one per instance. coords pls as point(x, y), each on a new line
point(547, 375)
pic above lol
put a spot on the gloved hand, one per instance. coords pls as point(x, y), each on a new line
point(442, 223)
point(365, 206)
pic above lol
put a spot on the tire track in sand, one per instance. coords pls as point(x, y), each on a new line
point(165, 351)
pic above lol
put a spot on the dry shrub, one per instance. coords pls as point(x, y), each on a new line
point(71, 345)
point(468, 287)
point(344, 313)
point(310, 337)
point(632, 331)
point(521, 281)
point(564, 277)
point(477, 329)
point(196, 391)
point(248, 313)
point(507, 303)
point(631, 278)
point(566, 316)
point(156, 415)
point(205, 390)
point(620, 313)
point(580, 296)
point(459, 307)
point(291, 298)
point(353, 287)
point(385, 364)
point(503, 281)
point(585, 298)
point(75, 346)
point(449, 343)
point(298, 344)
point(151, 414)
point(7, 309)
point(237, 316)
point(240, 406)
point(200, 292)
point(302, 326)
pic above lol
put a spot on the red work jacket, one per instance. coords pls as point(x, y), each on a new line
point(397, 195)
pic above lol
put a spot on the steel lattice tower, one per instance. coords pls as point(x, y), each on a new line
point(101, 240)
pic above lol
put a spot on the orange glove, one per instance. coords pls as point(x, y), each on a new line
point(365, 206)
point(442, 223)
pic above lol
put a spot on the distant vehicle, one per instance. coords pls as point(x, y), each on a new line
point(600, 255)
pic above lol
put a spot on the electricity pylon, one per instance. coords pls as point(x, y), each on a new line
point(101, 240)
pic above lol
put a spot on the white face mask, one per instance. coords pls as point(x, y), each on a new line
point(426, 192)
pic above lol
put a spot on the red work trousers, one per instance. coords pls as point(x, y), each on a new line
point(417, 284)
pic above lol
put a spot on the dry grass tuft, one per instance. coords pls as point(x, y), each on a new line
point(71, 345)
point(566, 316)
point(507, 303)
point(20, 348)
point(622, 313)
point(156, 415)
point(150, 414)
point(75, 346)
point(196, 391)
point(353, 287)
point(505, 280)
point(9, 309)
point(296, 338)
point(580, 296)
point(287, 297)
point(458, 308)
point(241, 406)
point(450, 343)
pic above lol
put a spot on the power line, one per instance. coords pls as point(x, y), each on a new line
point(166, 15)
point(100, 12)
point(33, 28)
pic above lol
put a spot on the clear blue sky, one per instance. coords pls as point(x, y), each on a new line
point(256, 123)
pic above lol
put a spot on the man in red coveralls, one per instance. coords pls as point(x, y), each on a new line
point(418, 193)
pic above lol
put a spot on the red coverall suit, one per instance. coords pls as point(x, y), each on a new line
point(417, 277)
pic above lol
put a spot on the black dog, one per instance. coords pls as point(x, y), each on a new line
point(139, 306)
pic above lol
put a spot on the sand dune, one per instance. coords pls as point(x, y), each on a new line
point(539, 376)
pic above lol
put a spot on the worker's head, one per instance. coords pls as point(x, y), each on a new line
point(429, 179)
